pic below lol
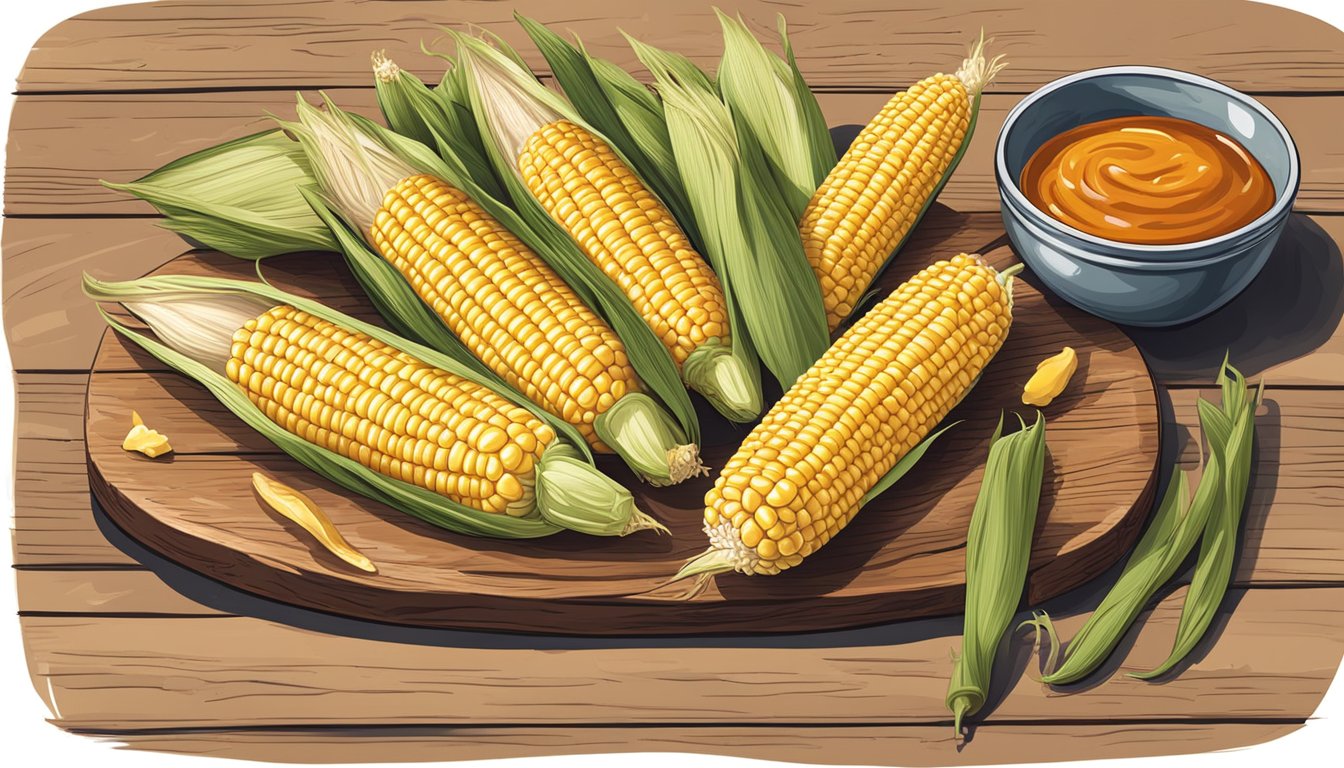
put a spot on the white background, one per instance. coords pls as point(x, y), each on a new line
point(27, 739)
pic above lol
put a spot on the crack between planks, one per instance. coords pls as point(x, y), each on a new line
point(670, 725)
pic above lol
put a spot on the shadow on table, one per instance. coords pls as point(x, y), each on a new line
point(1289, 310)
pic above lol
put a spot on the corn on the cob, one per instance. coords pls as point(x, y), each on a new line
point(803, 472)
point(583, 185)
point(388, 411)
point(505, 304)
point(627, 233)
point(871, 200)
point(364, 398)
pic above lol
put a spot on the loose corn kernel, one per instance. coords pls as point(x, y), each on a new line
point(1051, 377)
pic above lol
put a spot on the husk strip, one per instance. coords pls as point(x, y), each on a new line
point(770, 100)
point(1163, 547)
point(1231, 432)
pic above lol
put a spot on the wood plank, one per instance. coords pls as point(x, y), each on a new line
point(258, 43)
point(1293, 533)
point(51, 326)
point(60, 146)
point(132, 673)
point(1296, 306)
point(53, 517)
point(866, 745)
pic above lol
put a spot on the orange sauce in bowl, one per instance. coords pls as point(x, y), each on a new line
point(1148, 180)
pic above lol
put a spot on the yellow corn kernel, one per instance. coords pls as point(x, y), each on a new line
point(506, 305)
point(628, 233)
point(463, 453)
point(145, 440)
point(1051, 377)
point(829, 417)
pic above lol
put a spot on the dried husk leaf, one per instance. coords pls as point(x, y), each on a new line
point(296, 506)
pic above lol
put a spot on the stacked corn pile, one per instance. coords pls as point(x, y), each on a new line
point(575, 265)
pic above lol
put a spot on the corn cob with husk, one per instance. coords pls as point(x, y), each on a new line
point(380, 415)
point(503, 304)
point(626, 112)
point(835, 439)
point(560, 169)
point(750, 235)
point(870, 202)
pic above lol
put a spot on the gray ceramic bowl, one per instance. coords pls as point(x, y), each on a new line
point(1149, 285)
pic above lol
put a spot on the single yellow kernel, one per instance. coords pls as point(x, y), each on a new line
point(1051, 377)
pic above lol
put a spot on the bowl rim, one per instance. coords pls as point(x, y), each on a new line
point(1009, 185)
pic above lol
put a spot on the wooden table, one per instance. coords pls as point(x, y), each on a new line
point(125, 646)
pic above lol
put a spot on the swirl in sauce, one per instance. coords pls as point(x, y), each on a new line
point(1148, 180)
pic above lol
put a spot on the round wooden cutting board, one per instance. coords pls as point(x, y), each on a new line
point(902, 557)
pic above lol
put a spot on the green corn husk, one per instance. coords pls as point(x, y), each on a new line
point(723, 376)
point(1231, 433)
point(578, 497)
point(239, 197)
point(1212, 516)
point(413, 110)
point(750, 239)
point(768, 96)
point(1173, 530)
point(340, 202)
point(619, 106)
point(998, 550)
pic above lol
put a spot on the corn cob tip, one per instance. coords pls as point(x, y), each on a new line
point(725, 380)
point(385, 69)
point(959, 708)
point(726, 553)
point(976, 72)
point(704, 567)
point(683, 463)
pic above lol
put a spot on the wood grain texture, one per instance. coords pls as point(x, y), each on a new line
point(866, 745)
point(1296, 305)
point(902, 557)
point(1293, 532)
point(258, 43)
point(134, 673)
point(125, 136)
point(1291, 330)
